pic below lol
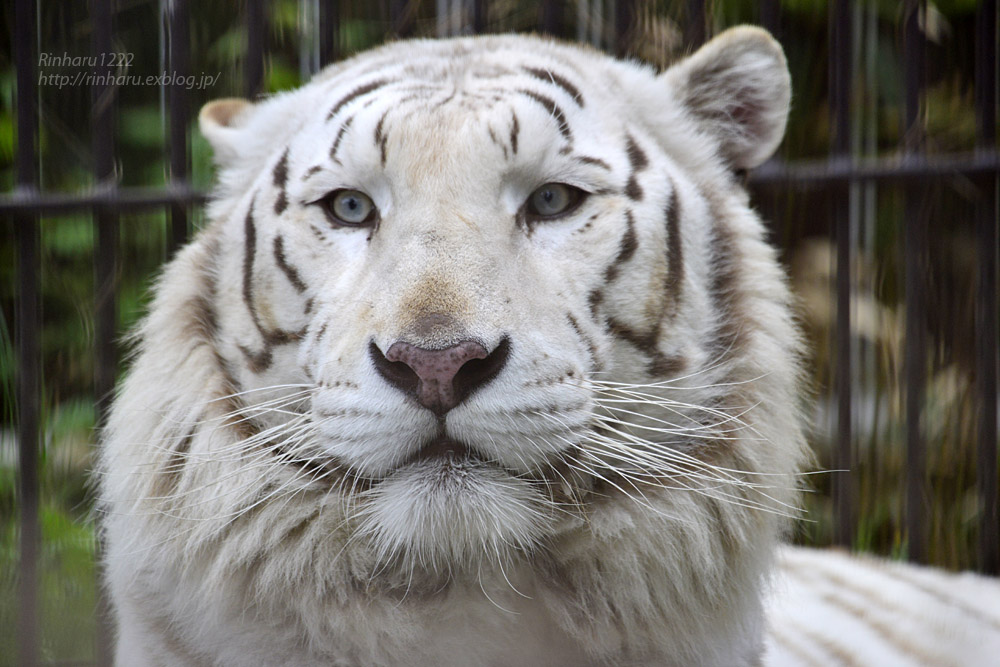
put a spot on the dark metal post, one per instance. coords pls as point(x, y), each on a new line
point(915, 273)
point(400, 18)
point(179, 49)
point(987, 217)
point(480, 13)
point(253, 73)
point(840, 96)
point(552, 17)
point(103, 100)
point(28, 328)
point(624, 26)
point(695, 30)
point(770, 17)
point(329, 32)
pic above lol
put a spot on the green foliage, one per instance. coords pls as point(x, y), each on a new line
point(67, 587)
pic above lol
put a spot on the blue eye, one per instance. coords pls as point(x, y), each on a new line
point(552, 200)
point(350, 208)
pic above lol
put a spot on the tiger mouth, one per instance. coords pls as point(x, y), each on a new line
point(443, 449)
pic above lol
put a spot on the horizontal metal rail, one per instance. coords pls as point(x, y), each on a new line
point(978, 166)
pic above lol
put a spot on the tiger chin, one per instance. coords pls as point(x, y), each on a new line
point(482, 359)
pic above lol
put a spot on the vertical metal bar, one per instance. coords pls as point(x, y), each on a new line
point(29, 328)
point(915, 270)
point(103, 99)
point(400, 18)
point(480, 13)
point(179, 49)
point(552, 17)
point(624, 26)
point(329, 32)
point(840, 96)
point(988, 218)
point(253, 73)
point(696, 28)
point(770, 17)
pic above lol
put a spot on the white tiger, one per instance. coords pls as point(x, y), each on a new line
point(481, 360)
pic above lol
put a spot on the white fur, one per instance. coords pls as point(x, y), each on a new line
point(264, 508)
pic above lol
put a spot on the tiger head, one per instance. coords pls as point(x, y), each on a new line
point(480, 284)
point(477, 302)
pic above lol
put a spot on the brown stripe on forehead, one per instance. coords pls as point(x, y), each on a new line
point(280, 179)
point(340, 136)
point(380, 138)
point(549, 76)
point(356, 93)
point(553, 109)
point(496, 141)
point(675, 254)
point(597, 162)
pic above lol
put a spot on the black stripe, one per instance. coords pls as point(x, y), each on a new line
point(290, 271)
point(515, 129)
point(354, 94)
point(597, 162)
point(636, 157)
point(626, 248)
point(648, 343)
point(340, 136)
point(260, 361)
point(170, 475)
point(587, 340)
point(380, 138)
point(549, 76)
point(724, 290)
point(280, 178)
point(496, 140)
point(632, 189)
point(554, 110)
point(594, 300)
point(249, 251)
point(638, 161)
point(675, 254)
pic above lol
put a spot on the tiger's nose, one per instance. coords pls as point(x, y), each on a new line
point(439, 379)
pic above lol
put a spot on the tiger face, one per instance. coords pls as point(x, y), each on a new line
point(475, 304)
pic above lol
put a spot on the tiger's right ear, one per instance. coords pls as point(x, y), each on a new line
point(221, 122)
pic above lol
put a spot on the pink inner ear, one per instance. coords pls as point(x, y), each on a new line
point(747, 115)
point(222, 112)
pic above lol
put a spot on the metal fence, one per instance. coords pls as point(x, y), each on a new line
point(839, 178)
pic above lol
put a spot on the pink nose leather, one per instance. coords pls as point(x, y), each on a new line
point(439, 379)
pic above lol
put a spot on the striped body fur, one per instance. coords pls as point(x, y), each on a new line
point(280, 489)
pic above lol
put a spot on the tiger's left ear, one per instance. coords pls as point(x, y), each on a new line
point(738, 89)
